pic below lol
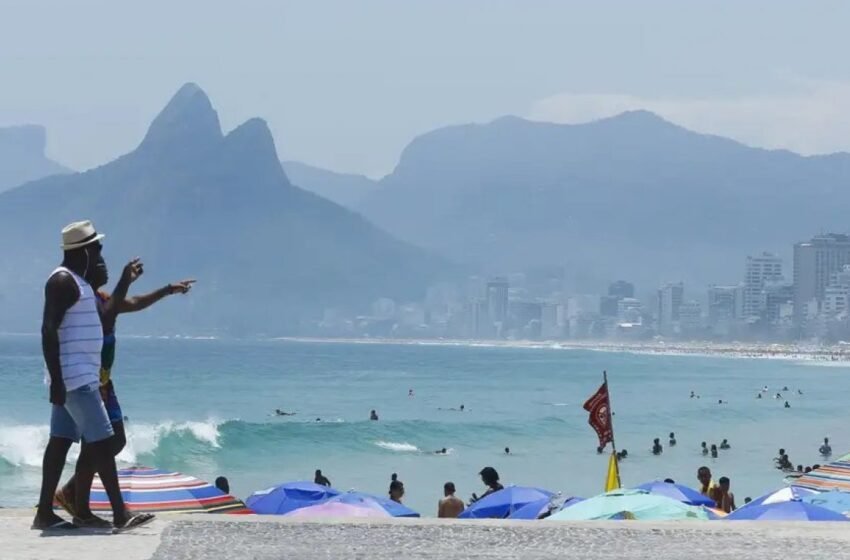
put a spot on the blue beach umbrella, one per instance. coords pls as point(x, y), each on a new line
point(532, 510)
point(571, 502)
point(787, 494)
point(678, 492)
point(289, 496)
point(501, 504)
point(836, 501)
point(785, 511)
point(395, 509)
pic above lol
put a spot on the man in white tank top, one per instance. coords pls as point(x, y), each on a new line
point(72, 337)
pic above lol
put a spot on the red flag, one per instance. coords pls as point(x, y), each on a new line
point(600, 415)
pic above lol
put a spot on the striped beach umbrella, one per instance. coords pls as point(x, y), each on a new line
point(832, 476)
point(155, 490)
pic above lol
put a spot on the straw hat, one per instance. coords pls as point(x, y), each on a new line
point(78, 235)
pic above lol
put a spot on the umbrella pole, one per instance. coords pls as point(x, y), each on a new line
point(611, 423)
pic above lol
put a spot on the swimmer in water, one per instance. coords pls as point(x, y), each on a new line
point(725, 445)
point(507, 451)
point(693, 395)
point(672, 441)
point(410, 393)
point(440, 451)
point(778, 396)
point(373, 416)
point(704, 448)
point(461, 408)
point(799, 392)
point(787, 404)
point(758, 395)
point(713, 451)
point(785, 388)
point(825, 449)
point(280, 412)
point(656, 447)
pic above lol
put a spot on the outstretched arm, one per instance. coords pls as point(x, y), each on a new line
point(130, 274)
point(137, 303)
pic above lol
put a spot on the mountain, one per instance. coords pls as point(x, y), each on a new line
point(345, 189)
point(22, 157)
point(193, 202)
point(631, 196)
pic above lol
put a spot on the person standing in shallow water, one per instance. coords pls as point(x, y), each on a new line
point(490, 478)
point(672, 441)
point(396, 491)
point(656, 447)
point(321, 479)
point(450, 506)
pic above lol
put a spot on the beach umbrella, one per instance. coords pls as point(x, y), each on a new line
point(832, 476)
point(836, 501)
point(394, 509)
point(571, 501)
point(787, 494)
point(289, 496)
point(678, 492)
point(785, 511)
point(630, 504)
point(146, 489)
point(332, 508)
point(502, 503)
point(532, 510)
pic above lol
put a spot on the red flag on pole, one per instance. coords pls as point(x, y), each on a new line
point(599, 407)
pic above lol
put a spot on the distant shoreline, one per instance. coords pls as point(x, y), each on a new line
point(837, 353)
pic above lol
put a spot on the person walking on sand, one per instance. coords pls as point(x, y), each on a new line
point(72, 340)
point(109, 307)
point(450, 506)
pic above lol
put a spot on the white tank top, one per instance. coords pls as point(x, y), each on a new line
point(80, 338)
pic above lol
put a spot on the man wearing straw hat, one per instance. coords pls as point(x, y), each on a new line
point(71, 338)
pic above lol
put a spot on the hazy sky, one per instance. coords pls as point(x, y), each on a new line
point(346, 84)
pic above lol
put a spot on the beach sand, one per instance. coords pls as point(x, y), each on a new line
point(184, 537)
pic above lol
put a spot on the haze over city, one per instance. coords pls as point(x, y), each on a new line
point(543, 152)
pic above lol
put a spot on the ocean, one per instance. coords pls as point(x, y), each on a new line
point(206, 408)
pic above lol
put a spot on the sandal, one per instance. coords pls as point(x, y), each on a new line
point(64, 503)
point(60, 525)
point(93, 522)
point(134, 522)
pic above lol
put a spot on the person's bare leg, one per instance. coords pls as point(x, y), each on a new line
point(83, 478)
point(51, 472)
point(104, 462)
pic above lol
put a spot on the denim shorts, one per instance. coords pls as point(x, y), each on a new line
point(83, 415)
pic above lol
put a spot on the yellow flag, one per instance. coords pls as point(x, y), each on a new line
point(612, 481)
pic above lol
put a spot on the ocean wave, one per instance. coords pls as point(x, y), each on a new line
point(171, 442)
point(402, 447)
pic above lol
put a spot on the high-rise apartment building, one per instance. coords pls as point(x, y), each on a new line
point(815, 262)
point(759, 270)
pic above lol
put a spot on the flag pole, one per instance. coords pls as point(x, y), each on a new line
point(611, 421)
